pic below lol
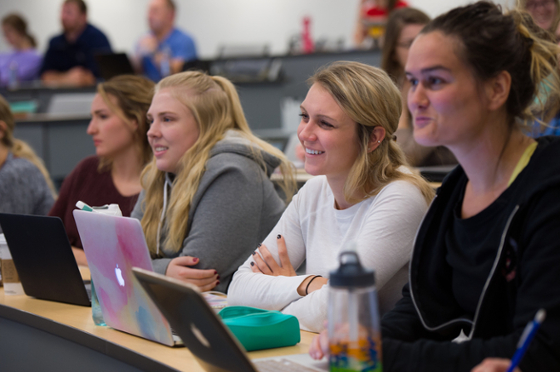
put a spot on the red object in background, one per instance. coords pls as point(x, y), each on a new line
point(307, 41)
point(376, 11)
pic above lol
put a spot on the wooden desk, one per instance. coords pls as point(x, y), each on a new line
point(74, 326)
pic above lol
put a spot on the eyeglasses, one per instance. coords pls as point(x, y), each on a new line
point(533, 5)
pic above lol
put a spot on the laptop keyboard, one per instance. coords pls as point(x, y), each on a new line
point(280, 365)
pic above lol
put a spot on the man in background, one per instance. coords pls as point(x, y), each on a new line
point(165, 48)
point(70, 56)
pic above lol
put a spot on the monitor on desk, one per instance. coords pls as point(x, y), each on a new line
point(113, 64)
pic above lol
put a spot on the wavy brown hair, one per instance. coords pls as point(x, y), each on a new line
point(133, 95)
point(397, 21)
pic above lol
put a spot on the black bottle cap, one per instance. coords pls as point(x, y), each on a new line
point(351, 273)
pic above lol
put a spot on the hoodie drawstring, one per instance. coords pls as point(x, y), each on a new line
point(167, 182)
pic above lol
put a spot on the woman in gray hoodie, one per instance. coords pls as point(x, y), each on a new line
point(207, 198)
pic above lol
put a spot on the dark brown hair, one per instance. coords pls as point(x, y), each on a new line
point(17, 22)
point(395, 24)
point(491, 42)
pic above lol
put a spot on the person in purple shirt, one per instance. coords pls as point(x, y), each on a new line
point(23, 62)
point(70, 58)
point(165, 49)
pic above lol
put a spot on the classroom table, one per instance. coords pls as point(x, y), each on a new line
point(52, 336)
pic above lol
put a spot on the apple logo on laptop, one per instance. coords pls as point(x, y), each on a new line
point(118, 273)
point(199, 335)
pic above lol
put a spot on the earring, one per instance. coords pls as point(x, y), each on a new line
point(378, 141)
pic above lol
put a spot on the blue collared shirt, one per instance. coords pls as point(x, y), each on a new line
point(179, 44)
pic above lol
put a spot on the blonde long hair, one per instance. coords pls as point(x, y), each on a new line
point(215, 105)
point(371, 99)
point(19, 148)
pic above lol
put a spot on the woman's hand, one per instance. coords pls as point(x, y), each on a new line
point(264, 262)
point(319, 346)
point(494, 365)
point(204, 279)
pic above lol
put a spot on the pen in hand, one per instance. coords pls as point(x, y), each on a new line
point(526, 338)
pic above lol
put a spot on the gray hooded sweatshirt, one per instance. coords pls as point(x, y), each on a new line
point(233, 210)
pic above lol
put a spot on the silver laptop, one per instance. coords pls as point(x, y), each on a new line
point(204, 334)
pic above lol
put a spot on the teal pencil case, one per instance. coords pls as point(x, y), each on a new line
point(258, 329)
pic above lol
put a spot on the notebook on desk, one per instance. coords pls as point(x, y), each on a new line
point(43, 258)
point(204, 334)
point(113, 245)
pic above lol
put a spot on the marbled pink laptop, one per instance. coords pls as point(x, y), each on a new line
point(113, 245)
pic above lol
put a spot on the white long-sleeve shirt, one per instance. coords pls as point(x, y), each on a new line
point(383, 227)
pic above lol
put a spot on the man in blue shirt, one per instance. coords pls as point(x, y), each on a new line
point(164, 49)
point(70, 57)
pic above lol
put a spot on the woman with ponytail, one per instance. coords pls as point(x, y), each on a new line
point(207, 198)
point(118, 129)
point(487, 254)
point(364, 193)
point(25, 184)
point(24, 60)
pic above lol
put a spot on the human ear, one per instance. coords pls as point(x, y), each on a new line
point(134, 125)
point(377, 135)
point(497, 90)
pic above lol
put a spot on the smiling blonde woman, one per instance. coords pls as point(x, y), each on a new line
point(364, 192)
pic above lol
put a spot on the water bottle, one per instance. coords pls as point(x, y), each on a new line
point(353, 330)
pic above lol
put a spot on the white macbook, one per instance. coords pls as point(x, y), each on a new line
point(113, 245)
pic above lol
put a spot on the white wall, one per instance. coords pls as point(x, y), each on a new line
point(212, 23)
